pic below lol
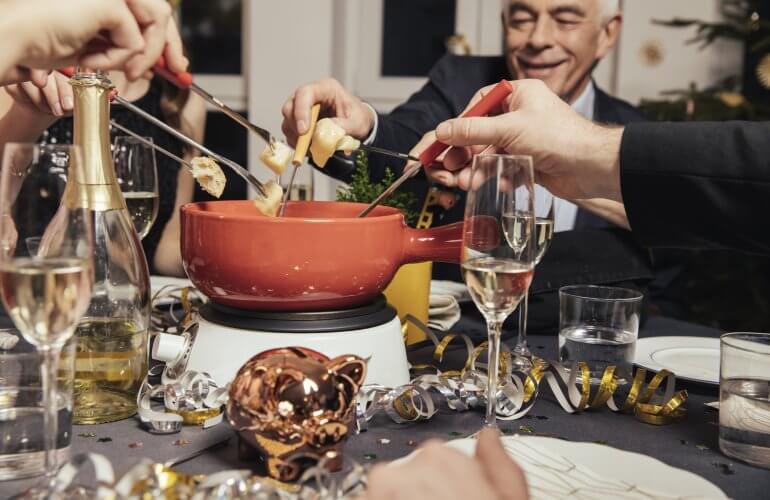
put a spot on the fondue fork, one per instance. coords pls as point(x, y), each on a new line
point(151, 144)
point(388, 152)
point(481, 108)
point(184, 80)
point(242, 172)
point(303, 143)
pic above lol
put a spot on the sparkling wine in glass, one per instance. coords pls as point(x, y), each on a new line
point(47, 288)
point(500, 208)
point(542, 236)
point(137, 174)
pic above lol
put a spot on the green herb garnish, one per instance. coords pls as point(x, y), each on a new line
point(362, 190)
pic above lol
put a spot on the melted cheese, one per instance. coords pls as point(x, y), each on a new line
point(270, 204)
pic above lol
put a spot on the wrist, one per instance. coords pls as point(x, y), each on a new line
point(372, 124)
point(603, 161)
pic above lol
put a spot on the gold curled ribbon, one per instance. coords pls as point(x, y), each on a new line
point(463, 389)
point(197, 417)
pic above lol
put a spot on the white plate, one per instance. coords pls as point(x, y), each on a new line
point(690, 358)
point(565, 469)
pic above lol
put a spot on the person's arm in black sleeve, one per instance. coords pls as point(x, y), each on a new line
point(698, 185)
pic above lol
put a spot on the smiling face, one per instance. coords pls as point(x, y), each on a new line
point(558, 41)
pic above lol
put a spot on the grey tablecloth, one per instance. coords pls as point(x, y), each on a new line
point(690, 445)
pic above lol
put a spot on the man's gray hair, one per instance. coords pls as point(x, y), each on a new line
point(607, 8)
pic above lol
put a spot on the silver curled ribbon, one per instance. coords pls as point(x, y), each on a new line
point(186, 396)
point(150, 481)
point(517, 392)
point(192, 398)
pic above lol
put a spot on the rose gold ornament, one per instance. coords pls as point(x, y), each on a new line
point(293, 406)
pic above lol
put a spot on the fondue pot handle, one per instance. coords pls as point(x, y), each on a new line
point(440, 244)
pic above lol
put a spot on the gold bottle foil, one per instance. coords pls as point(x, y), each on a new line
point(94, 186)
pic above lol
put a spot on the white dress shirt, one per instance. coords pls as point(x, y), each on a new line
point(565, 212)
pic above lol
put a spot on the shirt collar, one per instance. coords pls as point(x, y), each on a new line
point(584, 104)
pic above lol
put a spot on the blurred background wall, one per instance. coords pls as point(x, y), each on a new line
point(254, 53)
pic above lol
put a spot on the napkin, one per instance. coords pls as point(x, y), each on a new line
point(445, 298)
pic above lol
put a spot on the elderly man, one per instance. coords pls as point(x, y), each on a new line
point(557, 41)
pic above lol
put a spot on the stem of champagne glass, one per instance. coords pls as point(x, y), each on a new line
point(493, 362)
point(521, 342)
point(48, 371)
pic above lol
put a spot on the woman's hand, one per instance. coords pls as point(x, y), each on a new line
point(54, 99)
point(103, 34)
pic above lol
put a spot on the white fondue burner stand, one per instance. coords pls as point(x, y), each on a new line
point(227, 337)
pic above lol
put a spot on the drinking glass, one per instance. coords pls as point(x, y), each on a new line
point(45, 293)
point(744, 397)
point(22, 410)
point(499, 209)
point(137, 175)
point(544, 225)
point(599, 325)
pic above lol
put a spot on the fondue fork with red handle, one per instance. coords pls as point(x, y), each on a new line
point(242, 172)
point(482, 108)
point(184, 80)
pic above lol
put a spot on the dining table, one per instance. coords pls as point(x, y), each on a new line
point(690, 444)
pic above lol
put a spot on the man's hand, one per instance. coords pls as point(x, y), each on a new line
point(101, 34)
point(573, 157)
point(438, 471)
point(336, 102)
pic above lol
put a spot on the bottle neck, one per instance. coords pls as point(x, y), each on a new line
point(97, 185)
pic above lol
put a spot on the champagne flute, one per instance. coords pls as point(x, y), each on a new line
point(500, 207)
point(137, 175)
point(45, 291)
point(544, 227)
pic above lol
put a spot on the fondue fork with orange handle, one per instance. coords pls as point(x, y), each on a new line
point(487, 103)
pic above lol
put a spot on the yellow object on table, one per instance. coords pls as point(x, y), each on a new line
point(409, 293)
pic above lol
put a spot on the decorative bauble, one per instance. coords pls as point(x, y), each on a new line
point(293, 406)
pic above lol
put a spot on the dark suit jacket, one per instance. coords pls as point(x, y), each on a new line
point(593, 253)
point(711, 183)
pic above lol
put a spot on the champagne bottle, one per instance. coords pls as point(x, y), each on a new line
point(111, 359)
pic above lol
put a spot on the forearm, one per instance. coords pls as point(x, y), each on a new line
point(599, 157)
point(14, 32)
point(698, 184)
point(611, 211)
point(13, 49)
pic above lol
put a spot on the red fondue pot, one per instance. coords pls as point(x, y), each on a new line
point(319, 256)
